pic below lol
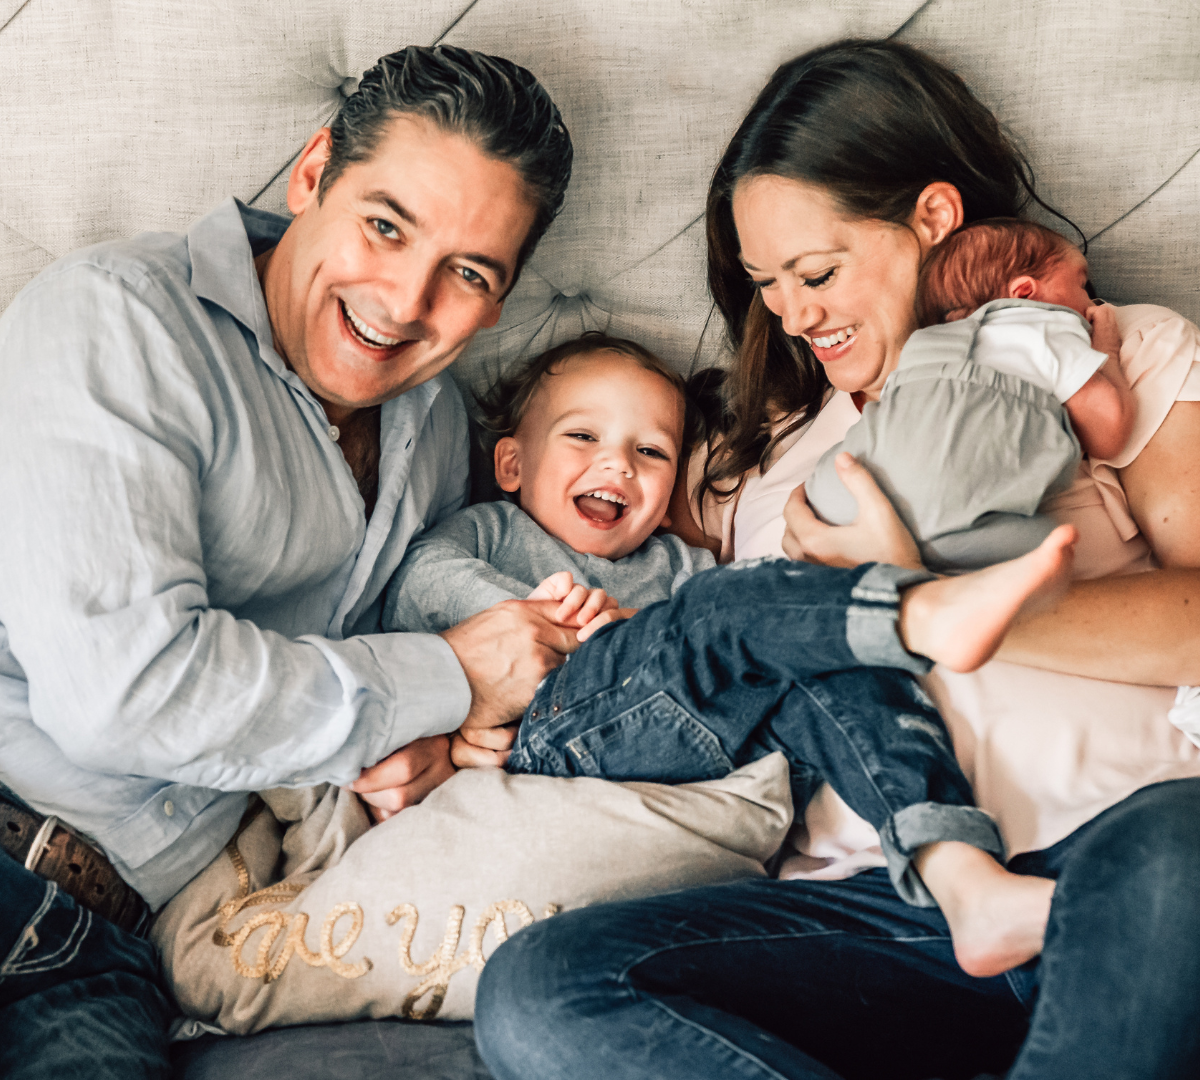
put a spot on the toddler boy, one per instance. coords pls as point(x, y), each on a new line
point(725, 666)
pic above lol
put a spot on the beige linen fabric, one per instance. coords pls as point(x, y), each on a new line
point(126, 115)
point(310, 916)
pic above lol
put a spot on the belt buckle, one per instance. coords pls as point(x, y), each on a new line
point(41, 842)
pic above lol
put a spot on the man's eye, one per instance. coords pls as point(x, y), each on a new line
point(816, 282)
point(472, 277)
point(385, 229)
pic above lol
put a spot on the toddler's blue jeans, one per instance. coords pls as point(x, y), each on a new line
point(757, 657)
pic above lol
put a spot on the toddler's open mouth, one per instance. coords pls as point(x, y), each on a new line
point(602, 507)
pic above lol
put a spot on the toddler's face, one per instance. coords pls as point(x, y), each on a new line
point(1065, 283)
point(595, 455)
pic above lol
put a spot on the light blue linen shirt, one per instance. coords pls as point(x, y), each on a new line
point(190, 593)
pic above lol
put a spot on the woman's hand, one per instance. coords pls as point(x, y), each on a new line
point(877, 535)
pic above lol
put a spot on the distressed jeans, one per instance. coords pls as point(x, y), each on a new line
point(78, 997)
point(840, 980)
point(757, 657)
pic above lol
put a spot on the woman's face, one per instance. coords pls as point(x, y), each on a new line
point(847, 287)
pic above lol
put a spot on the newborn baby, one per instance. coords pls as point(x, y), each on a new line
point(985, 414)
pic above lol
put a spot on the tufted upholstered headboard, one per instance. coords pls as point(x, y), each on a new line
point(126, 115)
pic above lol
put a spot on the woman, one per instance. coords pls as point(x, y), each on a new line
point(855, 162)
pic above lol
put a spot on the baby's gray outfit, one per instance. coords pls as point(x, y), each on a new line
point(964, 447)
point(495, 551)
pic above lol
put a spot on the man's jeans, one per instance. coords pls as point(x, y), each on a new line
point(757, 657)
point(818, 980)
point(78, 997)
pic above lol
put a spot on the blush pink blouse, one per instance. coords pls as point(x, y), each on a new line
point(1045, 752)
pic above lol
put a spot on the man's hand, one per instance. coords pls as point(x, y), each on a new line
point(877, 534)
point(404, 778)
point(505, 652)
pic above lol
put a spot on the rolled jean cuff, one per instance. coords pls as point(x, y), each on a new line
point(873, 619)
point(931, 823)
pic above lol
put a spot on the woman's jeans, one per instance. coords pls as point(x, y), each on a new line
point(78, 997)
point(758, 657)
point(800, 980)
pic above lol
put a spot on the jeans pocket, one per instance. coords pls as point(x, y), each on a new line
point(657, 739)
point(51, 939)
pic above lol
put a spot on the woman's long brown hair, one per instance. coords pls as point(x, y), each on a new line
point(871, 123)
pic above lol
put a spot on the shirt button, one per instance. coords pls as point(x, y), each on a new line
point(169, 808)
point(335, 432)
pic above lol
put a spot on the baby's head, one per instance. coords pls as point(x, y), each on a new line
point(998, 259)
point(590, 437)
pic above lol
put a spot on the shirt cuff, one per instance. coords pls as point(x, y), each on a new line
point(429, 689)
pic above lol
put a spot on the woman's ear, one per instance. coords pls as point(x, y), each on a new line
point(508, 464)
point(939, 211)
point(1023, 288)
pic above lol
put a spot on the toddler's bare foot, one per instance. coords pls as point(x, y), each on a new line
point(997, 919)
point(960, 621)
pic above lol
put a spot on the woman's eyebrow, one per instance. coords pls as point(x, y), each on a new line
point(793, 260)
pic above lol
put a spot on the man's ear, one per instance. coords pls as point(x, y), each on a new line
point(306, 173)
point(508, 464)
point(938, 212)
point(1023, 288)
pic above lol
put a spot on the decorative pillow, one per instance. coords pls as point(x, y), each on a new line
point(310, 916)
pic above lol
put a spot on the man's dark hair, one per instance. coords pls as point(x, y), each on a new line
point(493, 102)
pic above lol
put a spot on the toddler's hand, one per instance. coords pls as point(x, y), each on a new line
point(580, 605)
point(1106, 337)
point(612, 614)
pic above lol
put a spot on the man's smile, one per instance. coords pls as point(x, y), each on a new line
point(363, 332)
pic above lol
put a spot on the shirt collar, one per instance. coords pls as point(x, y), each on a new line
point(222, 246)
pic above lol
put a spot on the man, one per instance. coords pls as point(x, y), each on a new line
point(216, 448)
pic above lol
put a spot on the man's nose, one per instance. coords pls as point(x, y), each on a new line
point(411, 296)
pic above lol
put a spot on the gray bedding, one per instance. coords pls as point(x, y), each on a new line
point(365, 1050)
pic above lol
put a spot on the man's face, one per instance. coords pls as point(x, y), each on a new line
point(381, 284)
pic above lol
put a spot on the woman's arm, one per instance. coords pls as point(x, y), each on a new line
point(1162, 485)
point(1142, 628)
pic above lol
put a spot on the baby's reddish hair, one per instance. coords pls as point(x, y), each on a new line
point(976, 264)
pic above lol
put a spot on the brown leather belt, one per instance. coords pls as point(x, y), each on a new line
point(66, 858)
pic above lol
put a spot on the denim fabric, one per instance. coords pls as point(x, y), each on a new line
point(78, 997)
point(757, 657)
point(809, 980)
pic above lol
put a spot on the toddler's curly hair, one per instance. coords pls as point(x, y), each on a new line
point(504, 406)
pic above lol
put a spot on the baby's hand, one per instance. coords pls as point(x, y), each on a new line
point(580, 605)
point(1106, 337)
